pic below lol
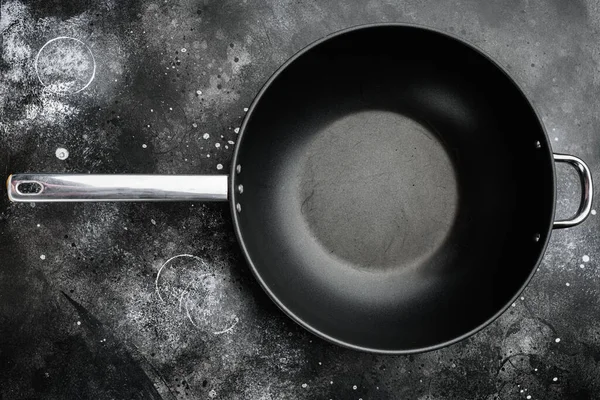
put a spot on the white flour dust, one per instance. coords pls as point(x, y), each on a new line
point(209, 300)
point(16, 24)
point(65, 65)
point(54, 61)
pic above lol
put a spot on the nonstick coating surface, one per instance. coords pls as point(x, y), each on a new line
point(392, 189)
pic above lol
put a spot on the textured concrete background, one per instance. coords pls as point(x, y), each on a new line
point(136, 301)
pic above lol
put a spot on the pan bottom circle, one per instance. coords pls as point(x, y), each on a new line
point(379, 190)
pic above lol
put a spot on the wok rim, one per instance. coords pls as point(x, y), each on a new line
point(256, 271)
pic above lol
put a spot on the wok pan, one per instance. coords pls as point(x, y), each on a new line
point(392, 189)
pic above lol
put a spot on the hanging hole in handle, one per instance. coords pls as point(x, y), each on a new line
point(29, 188)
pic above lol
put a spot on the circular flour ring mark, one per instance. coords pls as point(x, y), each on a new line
point(165, 264)
point(62, 72)
point(207, 299)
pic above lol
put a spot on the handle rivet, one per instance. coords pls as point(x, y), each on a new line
point(538, 145)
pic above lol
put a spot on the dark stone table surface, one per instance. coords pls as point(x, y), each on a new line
point(155, 301)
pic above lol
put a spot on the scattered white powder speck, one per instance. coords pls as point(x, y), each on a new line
point(219, 166)
point(61, 153)
point(205, 136)
point(586, 258)
point(557, 340)
point(43, 257)
point(237, 130)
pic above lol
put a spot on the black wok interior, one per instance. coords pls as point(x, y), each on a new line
point(397, 189)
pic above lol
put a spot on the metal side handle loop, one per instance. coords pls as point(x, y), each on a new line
point(587, 191)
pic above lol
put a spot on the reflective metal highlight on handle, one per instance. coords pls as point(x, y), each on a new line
point(587, 191)
point(89, 187)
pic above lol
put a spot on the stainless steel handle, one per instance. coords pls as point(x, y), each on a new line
point(587, 191)
point(89, 187)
